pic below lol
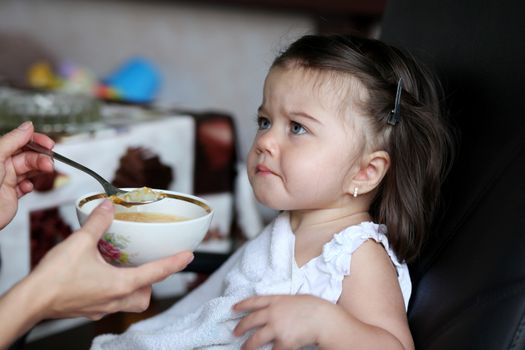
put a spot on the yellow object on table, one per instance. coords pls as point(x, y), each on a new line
point(41, 76)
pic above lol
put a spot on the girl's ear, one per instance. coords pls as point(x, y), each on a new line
point(373, 168)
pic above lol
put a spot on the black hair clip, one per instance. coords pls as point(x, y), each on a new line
point(394, 116)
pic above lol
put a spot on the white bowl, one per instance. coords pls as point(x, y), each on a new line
point(128, 243)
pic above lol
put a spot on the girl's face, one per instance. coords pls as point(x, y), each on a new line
point(306, 151)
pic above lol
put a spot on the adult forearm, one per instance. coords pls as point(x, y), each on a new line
point(20, 309)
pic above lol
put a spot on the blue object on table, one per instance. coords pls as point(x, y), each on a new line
point(137, 80)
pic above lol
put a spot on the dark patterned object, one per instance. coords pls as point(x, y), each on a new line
point(44, 182)
point(47, 229)
point(215, 153)
point(141, 167)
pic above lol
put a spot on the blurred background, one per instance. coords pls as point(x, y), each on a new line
point(162, 93)
point(209, 54)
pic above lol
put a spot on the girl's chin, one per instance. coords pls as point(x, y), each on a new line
point(274, 204)
point(269, 202)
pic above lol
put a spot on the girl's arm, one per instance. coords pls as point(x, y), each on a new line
point(370, 313)
point(375, 315)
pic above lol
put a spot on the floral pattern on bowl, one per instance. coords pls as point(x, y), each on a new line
point(129, 243)
point(112, 246)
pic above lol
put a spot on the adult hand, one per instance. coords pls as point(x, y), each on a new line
point(285, 320)
point(74, 280)
point(16, 165)
point(77, 281)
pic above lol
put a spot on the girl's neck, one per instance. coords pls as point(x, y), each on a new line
point(301, 220)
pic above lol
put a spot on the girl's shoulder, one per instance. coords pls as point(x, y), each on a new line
point(337, 253)
point(339, 250)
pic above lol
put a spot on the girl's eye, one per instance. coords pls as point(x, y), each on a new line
point(263, 123)
point(297, 129)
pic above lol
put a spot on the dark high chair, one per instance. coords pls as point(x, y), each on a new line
point(469, 284)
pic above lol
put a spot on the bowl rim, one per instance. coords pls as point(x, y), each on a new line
point(169, 194)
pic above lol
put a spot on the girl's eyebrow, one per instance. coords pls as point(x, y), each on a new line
point(304, 115)
point(294, 114)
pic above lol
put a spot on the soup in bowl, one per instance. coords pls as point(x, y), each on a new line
point(144, 233)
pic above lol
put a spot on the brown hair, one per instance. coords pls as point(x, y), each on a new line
point(420, 145)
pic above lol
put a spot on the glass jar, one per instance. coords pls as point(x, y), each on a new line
point(50, 112)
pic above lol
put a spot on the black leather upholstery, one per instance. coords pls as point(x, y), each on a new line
point(469, 284)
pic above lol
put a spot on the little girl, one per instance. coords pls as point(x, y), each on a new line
point(351, 148)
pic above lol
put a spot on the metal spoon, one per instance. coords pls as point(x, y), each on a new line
point(108, 187)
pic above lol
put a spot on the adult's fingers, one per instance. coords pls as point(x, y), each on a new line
point(35, 160)
point(129, 301)
point(28, 161)
point(99, 220)
point(11, 142)
point(43, 140)
point(24, 187)
point(138, 301)
point(158, 270)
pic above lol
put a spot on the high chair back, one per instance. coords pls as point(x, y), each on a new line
point(469, 284)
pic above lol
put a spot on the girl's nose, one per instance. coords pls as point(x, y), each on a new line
point(266, 142)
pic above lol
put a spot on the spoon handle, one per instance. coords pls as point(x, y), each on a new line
point(108, 187)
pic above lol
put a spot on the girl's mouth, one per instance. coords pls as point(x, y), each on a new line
point(262, 169)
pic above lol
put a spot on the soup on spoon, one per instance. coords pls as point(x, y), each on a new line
point(139, 195)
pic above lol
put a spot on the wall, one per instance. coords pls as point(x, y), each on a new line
point(210, 57)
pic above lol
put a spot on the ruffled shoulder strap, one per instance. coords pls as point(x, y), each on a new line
point(338, 252)
point(335, 261)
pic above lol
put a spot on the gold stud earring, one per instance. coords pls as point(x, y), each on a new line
point(355, 192)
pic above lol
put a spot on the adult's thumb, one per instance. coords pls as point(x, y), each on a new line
point(99, 220)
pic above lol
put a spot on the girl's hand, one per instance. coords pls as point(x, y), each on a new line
point(16, 165)
point(289, 321)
